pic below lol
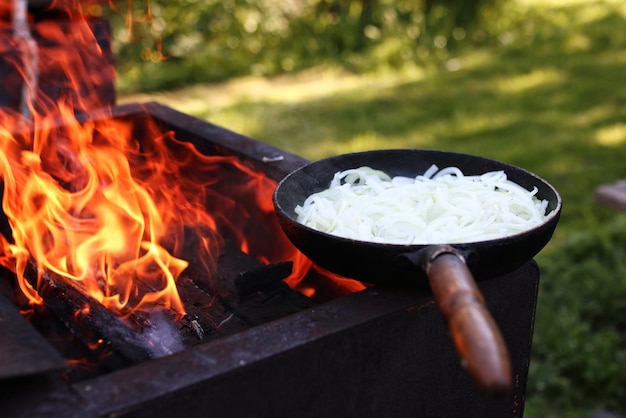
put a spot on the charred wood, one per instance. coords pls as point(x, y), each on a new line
point(262, 278)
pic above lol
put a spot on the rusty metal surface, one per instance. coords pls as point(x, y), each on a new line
point(212, 139)
point(23, 351)
point(380, 352)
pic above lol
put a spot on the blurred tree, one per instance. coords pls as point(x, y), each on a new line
point(209, 40)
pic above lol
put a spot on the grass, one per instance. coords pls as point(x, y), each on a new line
point(551, 98)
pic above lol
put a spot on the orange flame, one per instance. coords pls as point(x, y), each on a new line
point(89, 203)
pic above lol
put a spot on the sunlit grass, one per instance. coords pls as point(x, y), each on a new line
point(611, 136)
point(534, 79)
point(310, 85)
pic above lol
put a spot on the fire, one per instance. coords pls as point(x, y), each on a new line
point(105, 206)
point(89, 203)
point(77, 211)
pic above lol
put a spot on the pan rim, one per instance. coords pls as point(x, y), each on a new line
point(555, 213)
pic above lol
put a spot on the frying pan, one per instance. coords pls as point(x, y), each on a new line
point(449, 269)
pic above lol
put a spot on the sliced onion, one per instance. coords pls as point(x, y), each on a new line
point(439, 206)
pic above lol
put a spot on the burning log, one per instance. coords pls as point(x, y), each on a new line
point(247, 294)
point(94, 324)
point(206, 316)
point(254, 292)
point(261, 278)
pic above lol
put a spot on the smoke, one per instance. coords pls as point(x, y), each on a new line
point(160, 337)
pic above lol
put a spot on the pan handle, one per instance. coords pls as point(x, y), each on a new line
point(476, 336)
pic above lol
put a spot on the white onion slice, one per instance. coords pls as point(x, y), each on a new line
point(439, 206)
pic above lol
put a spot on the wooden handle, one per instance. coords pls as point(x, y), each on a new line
point(476, 336)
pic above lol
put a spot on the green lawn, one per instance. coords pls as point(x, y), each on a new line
point(550, 97)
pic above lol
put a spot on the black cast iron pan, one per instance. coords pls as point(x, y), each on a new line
point(449, 269)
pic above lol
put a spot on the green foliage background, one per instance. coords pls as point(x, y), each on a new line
point(179, 42)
